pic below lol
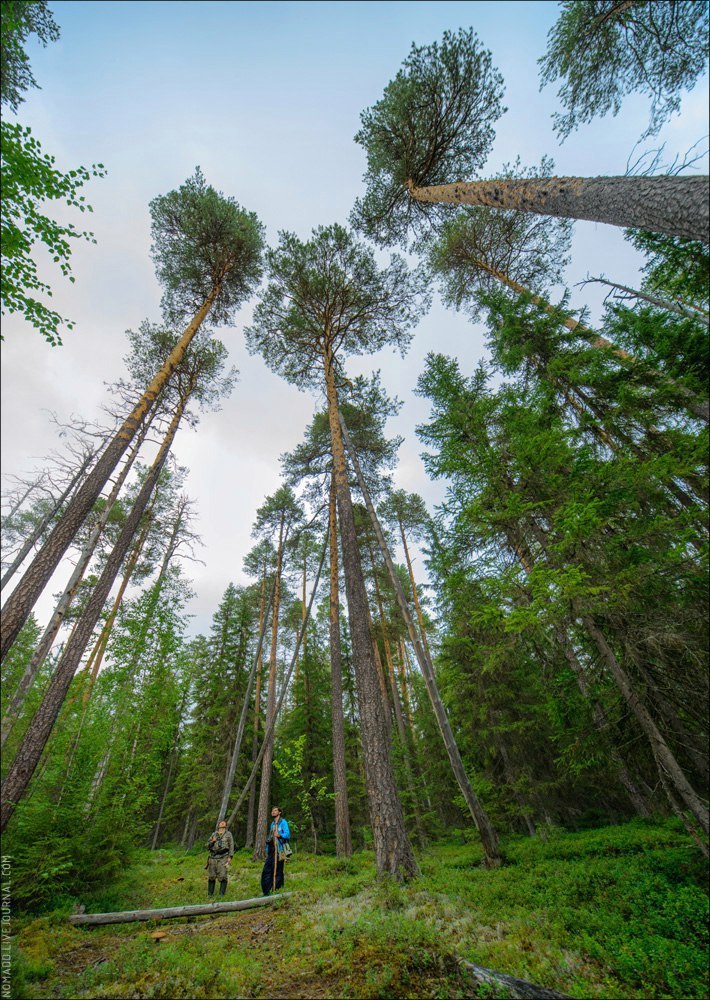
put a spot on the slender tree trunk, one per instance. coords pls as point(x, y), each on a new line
point(662, 753)
point(675, 307)
point(485, 829)
point(50, 633)
point(35, 536)
point(262, 821)
point(24, 596)
point(397, 705)
point(97, 654)
point(674, 205)
point(159, 821)
point(698, 407)
point(232, 766)
point(602, 725)
point(393, 851)
point(343, 838)
point(39, 730)
point(268, 734)
point(257, 720)
point(415, 595)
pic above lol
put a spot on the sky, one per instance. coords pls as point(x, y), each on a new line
point(266, 98)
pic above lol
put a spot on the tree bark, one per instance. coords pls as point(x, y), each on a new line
point(39, 730)
point(268, 756)
point(662, 753)
point(698, 407)
point(24, 596)
point(268, 735)
point(166, 912)
point(34, 537)
point(674, 205)
point(64, 602)
point(232, 766)
point(257, 719)
point(393, 851)
point(675, 307)
point(343, 838)
point(488, 836)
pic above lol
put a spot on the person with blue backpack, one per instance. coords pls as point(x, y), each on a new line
point(278, 849)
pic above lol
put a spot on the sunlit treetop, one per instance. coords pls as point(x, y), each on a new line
point(433, 125)
point(603, 50)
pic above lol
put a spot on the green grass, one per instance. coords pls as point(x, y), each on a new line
point(611, 913)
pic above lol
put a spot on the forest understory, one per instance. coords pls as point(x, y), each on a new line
point(618, 911)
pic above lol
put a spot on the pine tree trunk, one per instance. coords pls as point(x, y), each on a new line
point(674, 205)
point(662, 753)
point(489, 840)
point(64, 603)
point(393, 851)
point(698, 407)
point(262, 821)
point(343, 838)
point(24, 596)
point(255, 671)
point(678, 308)
point(40, 729)
point(34, 537)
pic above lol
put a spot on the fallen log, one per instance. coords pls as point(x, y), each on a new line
point(517, 988)
point(199, 909)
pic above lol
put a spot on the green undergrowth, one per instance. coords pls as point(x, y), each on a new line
point(611, 913)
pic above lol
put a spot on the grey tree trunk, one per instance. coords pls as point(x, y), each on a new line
point(262, 821)
point(63, 604)
point(488, 836)
point(393, 851)
point(269, 733)
point(35, 536)
point(343, 837)
point(39, 730)
point(232, 766)
point(674, 205)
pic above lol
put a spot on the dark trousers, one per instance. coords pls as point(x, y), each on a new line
point(267, 874)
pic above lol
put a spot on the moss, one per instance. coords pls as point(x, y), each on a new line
point(615, 912)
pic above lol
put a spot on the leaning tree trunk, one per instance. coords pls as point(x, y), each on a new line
point(35, 536)
point(397, 705)
point(666, 761)
point(489, 839)
point(50, 633)
point(262, 821)
point(662, 753)
point(343, 838)
point(674, 205)
point(40, 729)
point(232, 765)
point(24, 596)
point(698, 407)
point(678, 307)
point(393, 851)
point(257, 719)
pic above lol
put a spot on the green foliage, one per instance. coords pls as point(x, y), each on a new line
point(204, 243)
point(30, 179)
point(477, 248)
point(328, 295)
point(603, 50)
point(616, 912)
point(674, 267)
point(433, 125)
point(21, 18)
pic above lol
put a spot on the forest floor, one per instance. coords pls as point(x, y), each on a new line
point(613, 912)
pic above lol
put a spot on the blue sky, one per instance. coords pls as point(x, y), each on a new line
point(266, 98)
